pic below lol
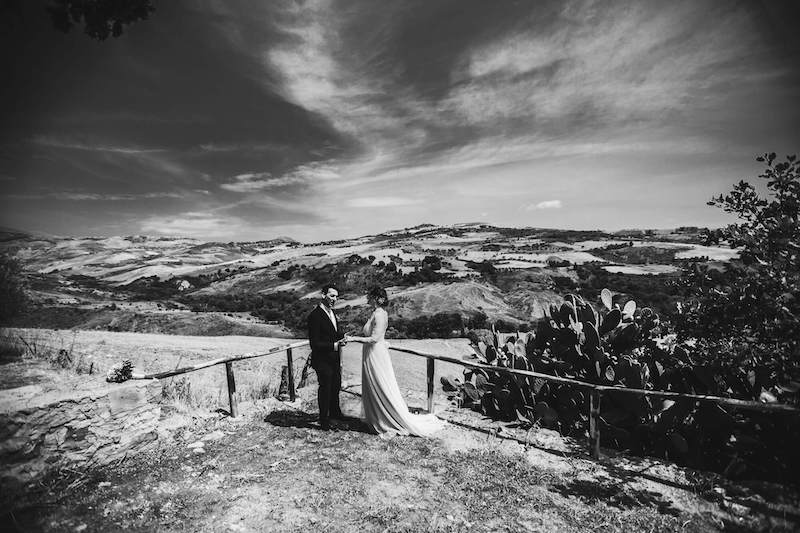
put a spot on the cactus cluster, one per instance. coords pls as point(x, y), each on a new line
point(574, 341)
point(613, 345)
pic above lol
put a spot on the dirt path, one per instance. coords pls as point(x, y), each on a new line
point(274, 470)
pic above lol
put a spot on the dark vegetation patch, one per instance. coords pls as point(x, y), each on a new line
point(659, 292)
point(636, 255)
point(52, 317)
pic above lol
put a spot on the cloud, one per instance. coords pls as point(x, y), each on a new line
point(328, 108)
point(530, 91)
point(340, 80)
point(83, 196)
point(547, 204)
point(72, 145)
point(316, 171)
point(381, 201)
point(193, 224)
point(258, 181)
point(592, 67)
point(301, 175)
point(240, 147)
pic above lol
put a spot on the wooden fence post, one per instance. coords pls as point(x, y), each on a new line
point(431, 369)
point(290, 371)
point(231, 389)
point(594, 426)
point(338, 351)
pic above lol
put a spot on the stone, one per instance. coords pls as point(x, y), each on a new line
point(92, 424)
point(214, 435)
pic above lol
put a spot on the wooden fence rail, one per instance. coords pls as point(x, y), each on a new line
point(231, 379)
point(595, 390)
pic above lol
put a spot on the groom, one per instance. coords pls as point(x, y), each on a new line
point(325, 338)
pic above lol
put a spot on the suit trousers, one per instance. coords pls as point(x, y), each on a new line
point(329, 375)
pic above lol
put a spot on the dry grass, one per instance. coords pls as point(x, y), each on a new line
point(207, 389)
point(16, 345)
point(11, 348)
point(186, 393)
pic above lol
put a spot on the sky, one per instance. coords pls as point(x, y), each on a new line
point(242, 120)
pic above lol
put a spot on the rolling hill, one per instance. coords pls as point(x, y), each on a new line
point(505, 274)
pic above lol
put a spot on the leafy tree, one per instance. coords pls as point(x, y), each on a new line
point(746, 317)
point(101, 18)
point(485, 268)
point(432, 262)
point(477, 320)
point(13, 299)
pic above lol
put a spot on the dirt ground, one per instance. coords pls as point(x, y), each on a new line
point(274, 469)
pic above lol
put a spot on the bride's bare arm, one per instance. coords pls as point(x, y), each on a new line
point(378, 329)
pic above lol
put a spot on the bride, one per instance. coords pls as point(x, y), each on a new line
point(384, 408)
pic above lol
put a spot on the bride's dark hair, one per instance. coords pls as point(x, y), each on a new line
point(379, 295)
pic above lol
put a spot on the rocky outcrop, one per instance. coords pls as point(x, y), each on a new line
point(93, 424)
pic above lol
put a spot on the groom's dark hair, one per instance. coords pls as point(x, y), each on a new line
point(329, 286)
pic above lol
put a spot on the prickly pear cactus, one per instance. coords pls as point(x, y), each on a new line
point(615, 343)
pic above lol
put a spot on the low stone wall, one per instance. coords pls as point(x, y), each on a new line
point(92, 424)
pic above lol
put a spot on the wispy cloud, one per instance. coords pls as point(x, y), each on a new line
point(386, 201)
point(547, 204)
point(323, 75)
point(314, 172)
point(599, 67)
point(587, 84)
point(302, 175)
point(258, 181)
point(90, 147)
point(83, 196)
point(193, 224)
point(241, 147)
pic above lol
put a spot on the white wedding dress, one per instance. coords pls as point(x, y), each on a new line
point(384, 408)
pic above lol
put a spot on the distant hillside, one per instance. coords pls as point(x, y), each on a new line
point(472, 270)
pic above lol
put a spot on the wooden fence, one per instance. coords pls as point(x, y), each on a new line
point(595, 391)
point(228, 362)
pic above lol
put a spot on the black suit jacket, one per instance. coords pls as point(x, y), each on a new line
point(322, 335)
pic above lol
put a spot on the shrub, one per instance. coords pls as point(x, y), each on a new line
point(628, 347)
point(745, 317)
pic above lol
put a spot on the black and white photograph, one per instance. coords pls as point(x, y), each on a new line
point(400, 266)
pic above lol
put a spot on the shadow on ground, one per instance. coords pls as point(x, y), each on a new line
point(301, 419)
point(616, 494)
